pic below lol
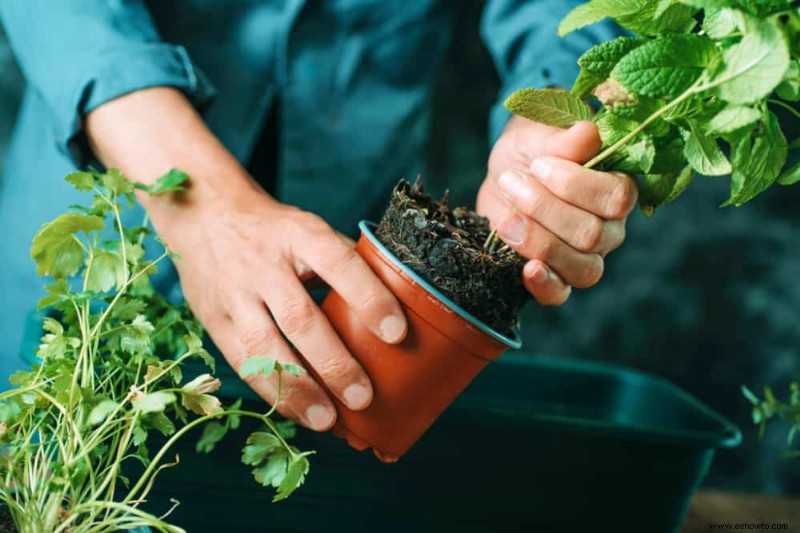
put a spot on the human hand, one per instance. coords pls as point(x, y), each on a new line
point(246, 288)
point(562, 217)
point(243, 256)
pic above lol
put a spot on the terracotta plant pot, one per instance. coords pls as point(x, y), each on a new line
point(416, 380)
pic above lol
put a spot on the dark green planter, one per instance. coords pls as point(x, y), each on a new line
point(535, 444)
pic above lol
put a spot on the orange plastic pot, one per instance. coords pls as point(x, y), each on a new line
point(416, 380)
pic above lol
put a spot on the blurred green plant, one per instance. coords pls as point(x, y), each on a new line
point(109, 375)
point(771, 409)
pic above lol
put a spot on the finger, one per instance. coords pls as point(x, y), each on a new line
point(310, 332)
point(336, 262)
point(258, 335)
point(582, 230)
point(578, 143)
point(544, 284)
point(533, 241)
point(611, 196)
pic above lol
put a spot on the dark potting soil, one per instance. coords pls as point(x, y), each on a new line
point(446, 247)
point(6, 523)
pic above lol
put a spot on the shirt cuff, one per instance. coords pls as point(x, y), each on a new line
point(125, 70)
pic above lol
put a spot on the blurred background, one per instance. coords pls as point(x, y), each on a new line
point(703, 296)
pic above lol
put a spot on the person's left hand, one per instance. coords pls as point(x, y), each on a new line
point(544, 204)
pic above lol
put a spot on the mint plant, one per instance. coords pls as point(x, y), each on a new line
point(693, 90)
point(109, 376)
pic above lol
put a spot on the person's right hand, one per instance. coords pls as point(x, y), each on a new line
point(244, 256)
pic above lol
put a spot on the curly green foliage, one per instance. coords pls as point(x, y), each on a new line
point(109, 375)
point(701, 79)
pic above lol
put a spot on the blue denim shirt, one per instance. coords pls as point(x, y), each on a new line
point(354, 78)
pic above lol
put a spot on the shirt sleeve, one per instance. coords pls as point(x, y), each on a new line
point(77, 55)
point(522, 38)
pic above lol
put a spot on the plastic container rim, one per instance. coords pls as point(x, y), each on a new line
point(514, 341)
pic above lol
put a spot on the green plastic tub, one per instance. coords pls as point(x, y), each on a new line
point(536, 444)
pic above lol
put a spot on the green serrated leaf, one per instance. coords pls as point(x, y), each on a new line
point(272, 472)
point(665, 67)
point(116, 182)
point(260, 445)
point(172, 181)
point(100, 412)
point(554, 107)
point(684, 180)
point(720, 22)
point(55, 247)
point(789, 89)
point(82, 181)
point(107, 270)
point(294, 370)
point(153, 402)
point(294, 478)
point(753, 68)
point(213, 432)
point(757, 162)
point(601, 59)
point(257, 365)
point(733, 118)
point(704, 154)
point(790, 176)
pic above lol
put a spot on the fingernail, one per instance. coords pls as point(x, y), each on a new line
point(540, 274)
point(511, 184)
point(392, 328)
point(319, 417)
point(541, 170)
point(513, 229)
point(356, 396)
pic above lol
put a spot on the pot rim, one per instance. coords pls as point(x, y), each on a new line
point(512, 341)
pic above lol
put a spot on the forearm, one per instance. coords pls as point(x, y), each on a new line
point(148, 132)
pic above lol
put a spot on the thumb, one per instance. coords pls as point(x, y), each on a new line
point(579, 143)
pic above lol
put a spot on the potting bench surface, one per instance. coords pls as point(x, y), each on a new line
point(712, 510)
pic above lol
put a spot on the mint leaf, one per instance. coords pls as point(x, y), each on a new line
point(704, 154)
point(602, 59)
point(720, 22)
point(757, 161)
point(55, 248)
point(789, 89)
point(751, 69)
point(554, 107)
point(790, 176)
point(684, 179)
point(733, 118)
point(665, 67)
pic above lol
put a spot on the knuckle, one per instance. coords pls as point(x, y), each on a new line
point(545, 248)
point(256, 338)
point(621, 199)
point(591, 235)
point(296, 317)
point(591, 273)
point(335, 367)
point(535, 204)
point(311, 223)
